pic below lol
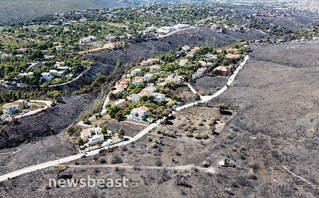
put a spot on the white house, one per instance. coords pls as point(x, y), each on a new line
point(6, 56)
point(155, 68)
point(58, 48)
point(56, 73)
point(148, 77)
point(29, 74)
point(95, 139)
point(151, 29)
point(201, 70)
point(92, 135)
point(181, 26)
point(165, 30)
point(138, 80)
point(136, 72)
point(145, 63)
point(22, 104)
point(137, 97)
point(140, 114)
point(47, 76)
point(159, 97)
point(10, 108)
point(185, 48)
point(149, 90)
point(183, 62)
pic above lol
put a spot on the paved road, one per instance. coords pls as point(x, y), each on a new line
point(130, 140)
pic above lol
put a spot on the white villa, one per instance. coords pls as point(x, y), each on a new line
point(136, 72)
point(138, 80)
point(155, 68)
point(148, 77)
point(159, 97)
point(149, 90)
point(47, 76)
point(92, 135)
point(137, 97)
point(140, 113)
point(10, 108)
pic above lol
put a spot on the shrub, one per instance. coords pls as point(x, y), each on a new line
point(197, 136)
point(154, 145)
point(189, 134)
point(102, 160)
point(205, 164)
point(59, 168)
point(204, 135)
point(117, 160)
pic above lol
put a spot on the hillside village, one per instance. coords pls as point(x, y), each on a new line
point(145, 93)
point(49, 51)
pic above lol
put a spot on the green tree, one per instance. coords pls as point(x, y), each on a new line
point(55, 94)
point(113, 110)
point(121, 132)
point(104, 129)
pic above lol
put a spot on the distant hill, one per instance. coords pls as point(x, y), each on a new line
point(13, 10)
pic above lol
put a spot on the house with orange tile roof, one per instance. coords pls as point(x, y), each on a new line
point(148, 77)
point(140, 113)
point(137, 97)
point(222, 70)
point(149, 90)
point(161, 85)
point(232, 56)
point(125, 81)
point(10, 108)
point(92, 135)
point(138, 80)
point(23, 50)
point(155, 68)
point(183, 62)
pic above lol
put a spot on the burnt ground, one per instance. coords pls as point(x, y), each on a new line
point(48, 148)
point(130, 128)
point(184, 93)
point(273, 128)
point(49, 122)
point(274, 124)
point(209, 85)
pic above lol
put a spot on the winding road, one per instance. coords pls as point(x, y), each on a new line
point(122, 143)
